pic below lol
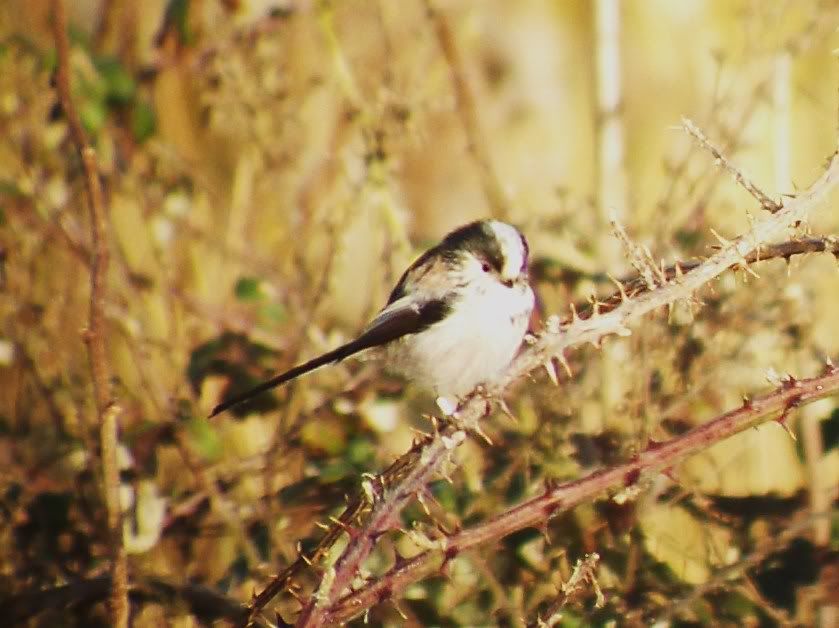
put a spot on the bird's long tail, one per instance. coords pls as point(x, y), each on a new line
point(336, 355)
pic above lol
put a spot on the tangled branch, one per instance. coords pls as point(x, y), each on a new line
point(386, 499)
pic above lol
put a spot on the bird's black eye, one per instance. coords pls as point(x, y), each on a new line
point(486, 267)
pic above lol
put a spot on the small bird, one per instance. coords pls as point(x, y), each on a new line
point(455, 319)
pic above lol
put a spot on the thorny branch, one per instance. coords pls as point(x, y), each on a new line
point(328, 605)
point(765, 202)
point(634, 285)
point(95, 335)
point(355, 511)
point(388, 503)
point(556, 499)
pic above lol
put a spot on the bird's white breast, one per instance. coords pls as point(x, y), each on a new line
point(472, 345)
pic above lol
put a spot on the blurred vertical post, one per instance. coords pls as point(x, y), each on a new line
point(781, 89)
point(611, 152)
point(95, 336)
point(610, 173)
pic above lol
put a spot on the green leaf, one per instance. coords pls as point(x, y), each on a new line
point(445, 494)
point(360, 451)
point(93, 115)
point(204, 438)
point(143, 121)
point(273, 312)
point(119, 84)
point(10, 188)
point(249, 289)
point(177, 13)
point(335, 471)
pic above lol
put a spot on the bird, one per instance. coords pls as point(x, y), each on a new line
point(455, 319)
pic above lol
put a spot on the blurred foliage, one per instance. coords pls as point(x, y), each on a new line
point(270, 170)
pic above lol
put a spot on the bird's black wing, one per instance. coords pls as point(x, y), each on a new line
point(399, 318)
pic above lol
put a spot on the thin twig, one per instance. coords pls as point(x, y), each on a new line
point(467, 109)
point(765, 202)
point(95, 336)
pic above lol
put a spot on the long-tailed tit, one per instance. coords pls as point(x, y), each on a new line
point(455, 320)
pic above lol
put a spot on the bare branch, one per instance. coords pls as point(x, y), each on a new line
point(95, 336)
point(765, 202)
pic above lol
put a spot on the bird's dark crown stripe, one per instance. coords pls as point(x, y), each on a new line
point(479, 239)
point(476, 237)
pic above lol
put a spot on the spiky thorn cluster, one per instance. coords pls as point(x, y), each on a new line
point(373, 512)
point(561, 497)
point(641, 259)
point(633, 302)
point(633, 285)
point(335, 601)
point(583, 577)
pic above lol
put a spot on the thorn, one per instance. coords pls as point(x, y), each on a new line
point(550, 485)
point(502, 403)
point(788, 382)
point(350, 530)
point(653, 444)
point(423, 504)
point(621, 290)
point(564, 362)
point(829, 367)
point(747, 402)
point(398, 610)
point(782, 421)
point(723, 241)
point(669, 473)
point(543, 528)
point(482, 434)
point(750, 270)
point(551, 371)
point(298, 596)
